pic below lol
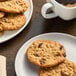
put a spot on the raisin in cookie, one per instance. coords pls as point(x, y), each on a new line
point(2, 14)
point(13, 6)
point(12, 21)
point(45, 53)
point(67, 68)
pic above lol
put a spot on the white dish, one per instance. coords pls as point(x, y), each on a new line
point(24, 68)
point(10, 34)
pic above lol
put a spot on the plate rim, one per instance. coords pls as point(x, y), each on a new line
point(57, 33)
point(20, 30)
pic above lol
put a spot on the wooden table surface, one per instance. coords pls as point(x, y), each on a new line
point(36, 26)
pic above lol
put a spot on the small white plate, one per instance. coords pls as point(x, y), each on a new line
point(10, 34)
point(24, 68)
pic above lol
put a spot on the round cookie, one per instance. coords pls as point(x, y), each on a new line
point(13, 6)
point(67, 68)
point(45, 53)
point(2, 14)
point(12, 21)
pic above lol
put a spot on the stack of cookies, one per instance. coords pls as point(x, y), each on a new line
point(50, 56)
point(12, 14)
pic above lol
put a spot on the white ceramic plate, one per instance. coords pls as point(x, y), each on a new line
point(10, 34)
point(24, 68)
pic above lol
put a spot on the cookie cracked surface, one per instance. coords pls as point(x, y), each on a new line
point(45, 53)
point(14, 6)
point(2, 14)
point(67, 68)
point(12, 21)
